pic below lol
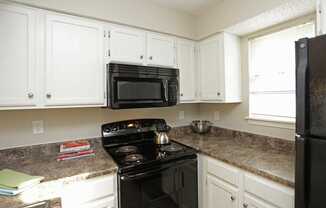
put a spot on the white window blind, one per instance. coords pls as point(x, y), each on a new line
point(272, 73)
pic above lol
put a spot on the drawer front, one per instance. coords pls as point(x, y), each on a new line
point(88, 190)
point(108, 202)
point(223, 171)
point(271, 192)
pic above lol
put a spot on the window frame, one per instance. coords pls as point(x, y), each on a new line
point(269, 120)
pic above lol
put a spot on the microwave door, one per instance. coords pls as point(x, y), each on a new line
point(138, 92)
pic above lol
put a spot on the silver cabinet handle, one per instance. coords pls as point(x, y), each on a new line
point(48, 95)
point(30, 95)
point(151, 58)
point(245, 205)
point(141, 56)
point(232, 198)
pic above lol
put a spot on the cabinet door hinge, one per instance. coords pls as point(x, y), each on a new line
point(109, 34)
point(109, 53)
point(104, 33)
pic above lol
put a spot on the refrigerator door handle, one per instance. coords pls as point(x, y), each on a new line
point(300, 173)
point(302, 86)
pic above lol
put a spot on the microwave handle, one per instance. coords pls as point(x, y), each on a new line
point(165, 88)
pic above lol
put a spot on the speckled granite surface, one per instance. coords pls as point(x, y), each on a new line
point(265, 156)
point(41, 160)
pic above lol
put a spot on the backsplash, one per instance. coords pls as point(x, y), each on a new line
point(16, 128)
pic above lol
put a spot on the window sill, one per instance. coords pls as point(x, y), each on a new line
point(278, 122)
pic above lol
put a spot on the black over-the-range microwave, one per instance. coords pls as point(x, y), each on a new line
point(132, 86)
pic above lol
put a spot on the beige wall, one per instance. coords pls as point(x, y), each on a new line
point(230, 12)
point(65, 124)
point(140, 13)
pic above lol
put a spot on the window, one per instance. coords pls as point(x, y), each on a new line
point(272, 73)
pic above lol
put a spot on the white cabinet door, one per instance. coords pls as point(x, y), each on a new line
point(211, 69)
point(17, 57)
point(161, 50)
point(92, 193)
point(220, 194)
point(186, 66)
point(127, 46)
point(252, 202)
point(74, 62)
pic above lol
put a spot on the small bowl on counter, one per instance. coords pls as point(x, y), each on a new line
point(201, 127)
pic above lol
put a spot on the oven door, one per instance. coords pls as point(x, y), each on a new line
point(173, 186)
point(132, 92)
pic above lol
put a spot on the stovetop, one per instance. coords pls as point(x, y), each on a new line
point(132, 145)
point(146, 154)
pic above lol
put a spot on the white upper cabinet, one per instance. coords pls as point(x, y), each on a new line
point(321, 17)
point(211, 69)
point(186, 66)
point(127, 46)
point(74, 62)
point(220, 71)
point(160, 50)
point(17, 57)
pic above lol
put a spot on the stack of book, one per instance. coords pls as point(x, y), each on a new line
point(13, 182)
point(75, 149)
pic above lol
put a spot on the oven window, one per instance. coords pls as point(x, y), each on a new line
point(139, 89)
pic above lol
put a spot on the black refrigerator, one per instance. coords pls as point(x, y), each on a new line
point(310, 175)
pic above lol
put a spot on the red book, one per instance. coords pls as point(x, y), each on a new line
point(67, 156)
point(74, 146)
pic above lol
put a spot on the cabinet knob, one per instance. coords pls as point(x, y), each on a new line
point(48, 95)
point(218, 94)
point(141, 56)
point(181, 94)
point(245, 205)
point(151, 58)
point(30, 95)
point(232, 198)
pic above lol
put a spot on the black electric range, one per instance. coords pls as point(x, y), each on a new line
point(150, 175)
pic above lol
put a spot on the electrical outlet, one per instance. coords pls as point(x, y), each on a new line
point(181, 115)
point(216, 116)
point(38, 127)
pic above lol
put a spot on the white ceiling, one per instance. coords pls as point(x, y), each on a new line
point(194, 7)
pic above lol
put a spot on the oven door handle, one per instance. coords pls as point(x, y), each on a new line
point(142, 175)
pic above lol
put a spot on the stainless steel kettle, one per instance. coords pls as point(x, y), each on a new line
point(162, 135)
point(162, 138)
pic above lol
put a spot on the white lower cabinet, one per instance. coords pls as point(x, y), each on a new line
point(221, 194)
point(225, 186)
point(253, 202)
point(99, 192)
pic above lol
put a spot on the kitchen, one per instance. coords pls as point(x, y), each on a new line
point(61, 64)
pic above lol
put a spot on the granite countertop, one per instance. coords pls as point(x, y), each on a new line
point(268, 157)
point(41, 160)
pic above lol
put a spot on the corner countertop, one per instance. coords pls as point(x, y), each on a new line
point(265, 158)
point(41, 160)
